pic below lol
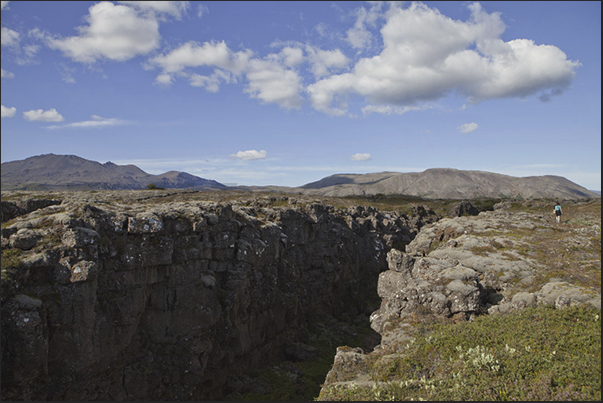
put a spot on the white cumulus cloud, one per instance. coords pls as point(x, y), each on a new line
point(268, 79)
point(426, 55)
point(250, 155)
point(360, 157)
point(192, 54)
point(7, 74)
point(8, 37)
point(270, 82)
point(114, 31)
point(8, 112)
point(324, 60)
point(40, 115)
point(467, 127)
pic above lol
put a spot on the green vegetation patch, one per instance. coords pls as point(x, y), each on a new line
point(11, 261)
point(532, 354)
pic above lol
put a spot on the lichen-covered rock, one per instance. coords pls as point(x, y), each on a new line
point(24, 239)
point(458, 268)
point(168, 301)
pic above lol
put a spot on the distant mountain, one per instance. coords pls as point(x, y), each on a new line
point(70, 172)
point(446, 183)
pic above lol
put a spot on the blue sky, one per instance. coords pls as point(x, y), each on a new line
point(286, 93)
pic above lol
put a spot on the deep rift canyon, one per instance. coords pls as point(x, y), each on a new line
point(178, 295)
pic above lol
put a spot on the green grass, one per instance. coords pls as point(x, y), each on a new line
point(532, 354)
point(11, 261)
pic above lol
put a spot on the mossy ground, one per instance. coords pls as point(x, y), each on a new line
point(532, 354)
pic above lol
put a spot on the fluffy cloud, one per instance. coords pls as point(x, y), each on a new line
point(250, 155)
point(193, 54)
point(426, 55)
point(116, 32)
point(271, 82)
point(40, 115)
point(268, 79)
point(360, 157)
point(292, 56)
point(323, 60)
point(8, 112)
point(7, 74)
point(8, 37)
point(467, 127)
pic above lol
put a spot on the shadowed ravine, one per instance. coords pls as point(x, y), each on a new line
point(153, 299)
point(159, 295)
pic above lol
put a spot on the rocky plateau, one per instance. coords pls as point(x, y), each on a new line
point(180, 295)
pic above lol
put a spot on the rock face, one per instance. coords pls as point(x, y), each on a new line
point(11, 210)
point(460, 267)
point(453, 269)
point(117, 299)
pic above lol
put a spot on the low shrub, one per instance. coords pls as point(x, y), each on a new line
point(532, 354)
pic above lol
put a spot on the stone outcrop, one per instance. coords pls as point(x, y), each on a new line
point(11, 210)
point(121, 299)
point(457, 268)
point(168, 296)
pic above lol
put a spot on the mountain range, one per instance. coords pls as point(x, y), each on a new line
point(70, 172)
point(447, 183)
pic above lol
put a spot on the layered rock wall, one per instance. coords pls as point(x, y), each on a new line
point(115, 301)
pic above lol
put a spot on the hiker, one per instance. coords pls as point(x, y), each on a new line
point(558, 212)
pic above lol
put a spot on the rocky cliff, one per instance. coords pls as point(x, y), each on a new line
point(178, 295)
point(160, 296)
point(459, 268)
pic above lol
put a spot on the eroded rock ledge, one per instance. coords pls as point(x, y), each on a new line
point(131, 299)
point(461, 267)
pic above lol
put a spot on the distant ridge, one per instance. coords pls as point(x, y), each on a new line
point(447, 183)
point(70, 172)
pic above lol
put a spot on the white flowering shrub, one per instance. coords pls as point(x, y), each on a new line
point(480, 357)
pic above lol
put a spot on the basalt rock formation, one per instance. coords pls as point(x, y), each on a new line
point(115, 296)
point(461, 267)
point(179, 295)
